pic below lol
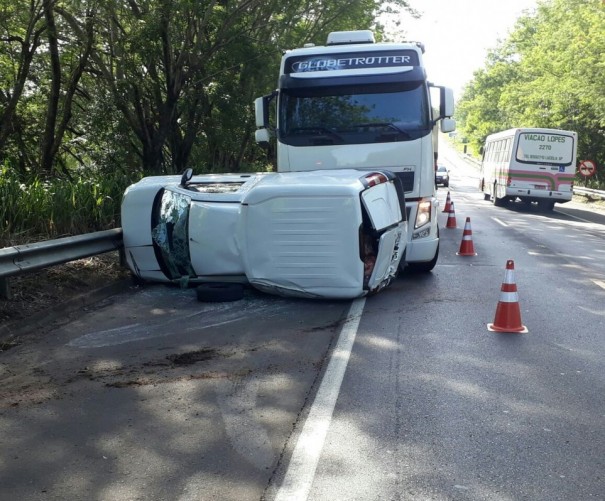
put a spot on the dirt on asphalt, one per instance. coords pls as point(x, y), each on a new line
point(41, 292)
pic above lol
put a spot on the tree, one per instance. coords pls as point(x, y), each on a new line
point(555, 75)
point(174, 80)
point(66, 69)
point(21, 34)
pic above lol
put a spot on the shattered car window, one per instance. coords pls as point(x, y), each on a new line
point(170, 234)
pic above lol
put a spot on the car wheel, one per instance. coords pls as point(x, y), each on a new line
point(217, 292)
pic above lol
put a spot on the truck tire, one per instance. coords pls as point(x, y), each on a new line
point(218, 292)
point(424, 267)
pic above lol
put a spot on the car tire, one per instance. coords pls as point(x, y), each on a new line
point(218, 292)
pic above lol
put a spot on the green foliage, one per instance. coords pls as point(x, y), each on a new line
point(57, 207)
point(550, 72)
point(96, 92)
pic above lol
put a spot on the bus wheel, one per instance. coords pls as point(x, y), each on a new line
point(482, 188)
point(545, 205)
point(498, 202)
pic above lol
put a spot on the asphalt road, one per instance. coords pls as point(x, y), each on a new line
point(404, 395)
point(435, 407)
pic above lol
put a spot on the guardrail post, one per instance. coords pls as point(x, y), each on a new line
point(5, 288)
point(122, 254)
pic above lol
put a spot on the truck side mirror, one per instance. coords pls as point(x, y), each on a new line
point(260, 112)
point(261, 109)
point(262, 137)
point(447, 102)
point(448, 125)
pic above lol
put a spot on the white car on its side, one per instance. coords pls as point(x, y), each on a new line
point(331, 234)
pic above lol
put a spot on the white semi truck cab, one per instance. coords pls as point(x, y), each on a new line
point(357, 104)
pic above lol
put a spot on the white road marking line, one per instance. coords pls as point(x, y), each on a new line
point(574, 217)
point(502, 223)
point(600, 283)
point(301, 470)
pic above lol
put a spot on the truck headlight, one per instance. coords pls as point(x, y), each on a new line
point(423, 216)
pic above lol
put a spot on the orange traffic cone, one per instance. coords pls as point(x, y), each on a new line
point(466, 246)
point(508, 314)
point(451, 217)
point(448, 202)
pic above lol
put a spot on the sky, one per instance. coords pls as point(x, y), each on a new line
point(458, 33)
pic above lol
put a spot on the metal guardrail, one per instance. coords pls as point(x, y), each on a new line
point(578, 190)
point(33, 257)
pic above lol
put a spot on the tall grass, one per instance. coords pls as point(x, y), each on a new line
point(41, 210)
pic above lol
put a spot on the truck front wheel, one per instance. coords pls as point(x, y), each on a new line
point(424, 267)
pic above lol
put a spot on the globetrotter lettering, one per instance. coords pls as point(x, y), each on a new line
point(331, 64)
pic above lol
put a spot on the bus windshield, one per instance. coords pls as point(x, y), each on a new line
point(353, 114)
point(545, 148)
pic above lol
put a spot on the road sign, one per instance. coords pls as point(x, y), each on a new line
point(587, 168)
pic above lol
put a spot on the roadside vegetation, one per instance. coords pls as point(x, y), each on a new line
point(95, 95)
point(549, 72)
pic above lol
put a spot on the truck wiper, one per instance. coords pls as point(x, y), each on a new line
point(389, 125)
point(315, 131)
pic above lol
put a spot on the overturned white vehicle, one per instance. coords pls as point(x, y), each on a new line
point(316, 234)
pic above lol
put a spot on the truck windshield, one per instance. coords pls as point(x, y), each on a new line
point(353, 115)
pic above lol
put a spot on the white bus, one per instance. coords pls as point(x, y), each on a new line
point(534, 165)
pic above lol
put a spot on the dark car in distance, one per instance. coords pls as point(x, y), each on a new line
point(442, 176)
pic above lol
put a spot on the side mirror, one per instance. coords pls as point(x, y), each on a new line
point(448, 125)
point(186, 177)
point(447, 102)
point(260, 112)
point(262, 137)
point(261, 109)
